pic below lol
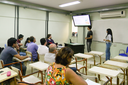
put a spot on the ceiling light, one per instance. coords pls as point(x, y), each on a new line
point(69, 4)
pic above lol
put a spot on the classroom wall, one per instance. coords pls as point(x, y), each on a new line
point(60, 27)
point(32, 23)
point(100, 46)
point(6, 23)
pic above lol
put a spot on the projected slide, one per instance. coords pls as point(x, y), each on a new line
point(82, 20)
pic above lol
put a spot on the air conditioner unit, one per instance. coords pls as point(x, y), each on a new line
point(113, 14)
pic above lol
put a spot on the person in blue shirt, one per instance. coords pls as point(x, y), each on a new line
point(32, 47)
point(9, 52)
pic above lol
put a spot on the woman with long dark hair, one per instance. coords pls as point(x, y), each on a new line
point(27, 42)
point(108, 40)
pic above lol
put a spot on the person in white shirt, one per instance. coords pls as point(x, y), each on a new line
point(43, 48)
point(50, 57)
point(108, 40)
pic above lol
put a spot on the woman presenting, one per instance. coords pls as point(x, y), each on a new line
point(108, 40)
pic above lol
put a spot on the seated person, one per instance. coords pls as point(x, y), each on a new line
point(58, 73)
point(27, 42)
point(20, 37)
point(8, 53)
point(50, 57)
point(32, 47)
point(49, 39)
point(43, 48)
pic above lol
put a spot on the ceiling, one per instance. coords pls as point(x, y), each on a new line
point(85, 4)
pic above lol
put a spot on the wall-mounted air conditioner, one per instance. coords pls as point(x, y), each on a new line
point(111, 14)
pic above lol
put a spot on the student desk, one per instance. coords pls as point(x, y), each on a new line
point(121, 65)
point(39, 66)
point(85, 56)
point(107, 72)
point(3, 76)
point(96, 53)
point(76, 47)
point(121, 58)
point(24, 60)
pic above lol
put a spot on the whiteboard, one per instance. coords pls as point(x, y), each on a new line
point(119, 28)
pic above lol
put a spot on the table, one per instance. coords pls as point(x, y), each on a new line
point(3, 76)
point(76, 47)
point(39, 66)
point(106, 72)
point(96, 53)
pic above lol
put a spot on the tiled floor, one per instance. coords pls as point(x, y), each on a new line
point(90, 74)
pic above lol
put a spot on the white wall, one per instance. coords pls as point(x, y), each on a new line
point(32, 23)
point(100, 46)
point(6, 23)
point(60, 27)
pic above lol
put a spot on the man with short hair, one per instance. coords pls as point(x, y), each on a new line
point(32, 47)
point(8, 53)
point(42, 49)
point(89, 38)
point(50, 57)
point(20, 37)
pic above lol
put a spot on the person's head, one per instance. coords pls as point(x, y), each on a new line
point(27, 41)
point(49, 36)
point(20, 37)
point(43, 41)
point(64, 56)
point(12, 42)
point(52, 48)
point(109, 31)
point(32, 39)
point(89, 27)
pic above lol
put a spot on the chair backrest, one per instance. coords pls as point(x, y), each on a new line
point(47, 62)
point(127, 50)
point(1, 64)
point(28, 53)
point(41, 57)
point(17, 71)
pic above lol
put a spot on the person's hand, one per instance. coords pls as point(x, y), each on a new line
point(20, 44)
point(17, 47)
point(86, 38)
point(104, 40)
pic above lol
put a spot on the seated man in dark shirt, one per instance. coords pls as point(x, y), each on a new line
point(9, 52)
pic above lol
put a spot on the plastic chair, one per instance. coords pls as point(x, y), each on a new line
point(123, 54)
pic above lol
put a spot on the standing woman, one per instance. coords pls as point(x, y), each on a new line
point(108, 40)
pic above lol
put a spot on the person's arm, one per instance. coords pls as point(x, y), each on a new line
point(20, 57)
point(89, 37)
point(72, 77)
point(109, 38)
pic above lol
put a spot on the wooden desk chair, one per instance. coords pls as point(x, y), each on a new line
point(3, 65)
point(114, 80)
point(80, 66)
point(27, 78)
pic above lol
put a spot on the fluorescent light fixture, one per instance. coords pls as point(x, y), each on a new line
point(8, 2)
point(69, 4)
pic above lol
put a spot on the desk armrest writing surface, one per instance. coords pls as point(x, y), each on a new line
point(26, 59)
point(121, 58)
point(104, 71)
point(96, 53)
point(81, 55)
point(39, 65)
point(116, 64)
point(3, 75)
